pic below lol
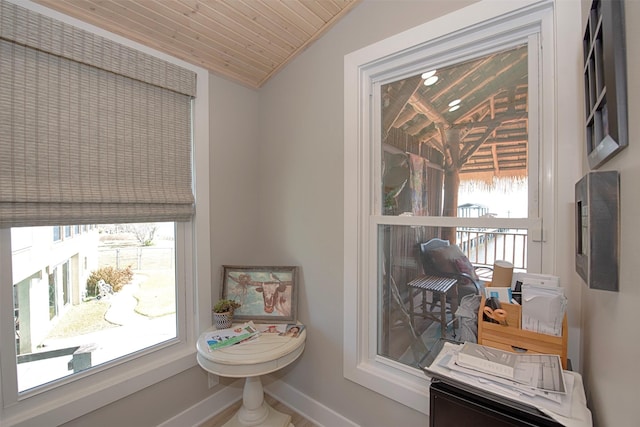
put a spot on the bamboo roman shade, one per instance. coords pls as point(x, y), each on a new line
point(91, 131)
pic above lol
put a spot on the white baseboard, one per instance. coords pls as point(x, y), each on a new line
point(309, 408)
point(312, 410)
point(207, 408)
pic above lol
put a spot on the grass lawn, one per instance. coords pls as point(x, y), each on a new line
point(82, 319)
point(156, 297)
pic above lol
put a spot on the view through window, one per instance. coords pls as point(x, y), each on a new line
point(86, 295)
point(455, 144)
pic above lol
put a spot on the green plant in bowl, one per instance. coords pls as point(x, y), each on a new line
point(225, 305)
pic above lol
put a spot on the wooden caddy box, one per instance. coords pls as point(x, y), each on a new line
point(512, 337)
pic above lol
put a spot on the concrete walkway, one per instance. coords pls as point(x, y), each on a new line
point(122, 307)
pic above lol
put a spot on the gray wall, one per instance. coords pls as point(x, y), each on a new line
point(234, 171)
point(611, 349)
point(301, 194)
point(277, 197)
point(152, 405)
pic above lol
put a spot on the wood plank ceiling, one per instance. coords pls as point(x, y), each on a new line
point(247, 41)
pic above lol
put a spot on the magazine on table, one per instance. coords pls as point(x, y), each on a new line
point(237, 334)
point(292, 330)
point(272, 328)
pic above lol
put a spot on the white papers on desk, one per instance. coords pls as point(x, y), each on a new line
point(546, 280)
point(543, 309)
point(570, 409)
point(532, 377)
point(538, 373)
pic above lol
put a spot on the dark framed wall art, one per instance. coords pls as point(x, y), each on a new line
point(605, 81)
point(598, 229)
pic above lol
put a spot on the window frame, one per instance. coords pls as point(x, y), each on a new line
point(483, 26)
point(84, 392)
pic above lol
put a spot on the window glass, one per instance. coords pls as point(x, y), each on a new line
point(454, 143)
point(91, 298)
point(455, 139)
point(409, 322)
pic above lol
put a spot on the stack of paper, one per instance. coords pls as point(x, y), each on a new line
point(538, 379)
point(543, 309)
point(546, 280)
point(531, 371)
point(543, 303)
point(487, 359)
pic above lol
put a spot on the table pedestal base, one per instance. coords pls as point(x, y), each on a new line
point(255, 411)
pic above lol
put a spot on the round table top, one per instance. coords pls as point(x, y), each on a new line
point(262, 355)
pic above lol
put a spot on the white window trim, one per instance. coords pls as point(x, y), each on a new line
point(488, 21)
point(89, 391)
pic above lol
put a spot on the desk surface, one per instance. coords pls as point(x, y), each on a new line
point(267, 353)
point(576, 403)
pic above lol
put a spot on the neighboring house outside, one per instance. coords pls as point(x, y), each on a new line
point(50, 270)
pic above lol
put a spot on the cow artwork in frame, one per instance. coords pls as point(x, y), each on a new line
point(265, 294)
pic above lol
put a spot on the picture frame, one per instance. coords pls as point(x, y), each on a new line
point(266, 294)
point(597, 229)
point(605, 82)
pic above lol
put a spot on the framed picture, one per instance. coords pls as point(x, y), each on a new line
point(598, 229)
point(265, 294)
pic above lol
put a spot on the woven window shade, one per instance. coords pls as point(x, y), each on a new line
point(90, 131)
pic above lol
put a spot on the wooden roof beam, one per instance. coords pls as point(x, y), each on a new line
point(407, 114)
point(492, 106)
point(398, 101)
point(494, 154)
point(421, 105)
point(502, 119)
point(453, 83)
point(508, 76)
point(470, 149)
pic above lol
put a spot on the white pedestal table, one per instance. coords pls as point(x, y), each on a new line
point(265, 354)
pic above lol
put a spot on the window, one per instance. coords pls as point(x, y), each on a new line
point(457, 146)
point(56, 233)
point(57, 284)
point(418, 159)
point(92, 323)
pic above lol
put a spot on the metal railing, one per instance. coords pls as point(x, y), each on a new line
point(484, 247)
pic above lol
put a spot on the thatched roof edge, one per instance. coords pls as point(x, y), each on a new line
point(487, 181)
